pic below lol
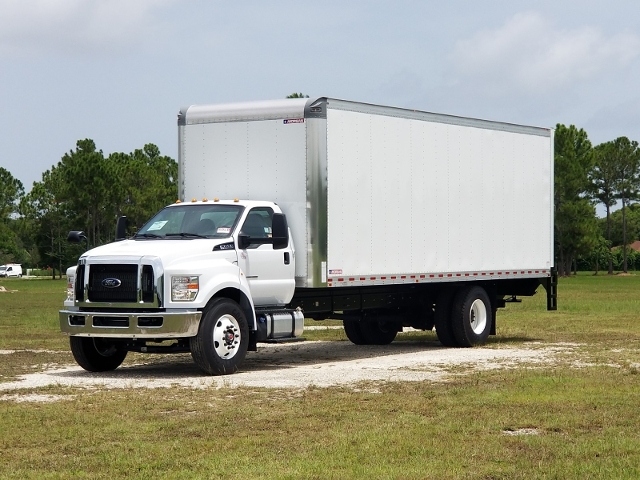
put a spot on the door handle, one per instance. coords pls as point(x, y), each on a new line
point(287, 258)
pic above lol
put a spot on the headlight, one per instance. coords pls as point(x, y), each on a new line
point(184, 288)
point(71, 293)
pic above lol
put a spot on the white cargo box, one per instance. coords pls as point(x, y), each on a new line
point(381, 195)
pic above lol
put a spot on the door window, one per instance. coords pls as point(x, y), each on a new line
point(258, 224)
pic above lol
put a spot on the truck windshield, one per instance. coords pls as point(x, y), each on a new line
point(192, 221)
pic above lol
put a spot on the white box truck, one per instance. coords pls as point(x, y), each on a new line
point(381, 217)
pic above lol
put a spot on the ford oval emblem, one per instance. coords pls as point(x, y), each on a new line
point(111, 283)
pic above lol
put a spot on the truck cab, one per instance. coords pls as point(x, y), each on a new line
point(209, 277)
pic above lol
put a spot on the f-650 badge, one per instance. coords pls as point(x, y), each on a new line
point(111, 283)
point(224, 246)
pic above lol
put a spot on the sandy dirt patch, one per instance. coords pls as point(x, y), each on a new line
point(303, 364)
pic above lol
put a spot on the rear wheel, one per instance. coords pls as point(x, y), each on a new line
point(442, 318)
point(97, 354)
point(354, 332)
point(222, 340)
point(471, 316)
point(376, 333)
point(370, 332)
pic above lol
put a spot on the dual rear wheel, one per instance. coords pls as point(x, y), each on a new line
point(370, 333)
point(463, 317)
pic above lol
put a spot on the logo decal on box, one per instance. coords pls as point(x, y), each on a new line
point(293, 120)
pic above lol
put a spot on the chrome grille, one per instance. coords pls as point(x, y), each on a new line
point(126, 292)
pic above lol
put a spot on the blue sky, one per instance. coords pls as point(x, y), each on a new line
point(118, 71)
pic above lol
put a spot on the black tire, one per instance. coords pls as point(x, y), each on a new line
point(354, 332)
point(222, 340)
point(376, 333)
point(442, 318)
point(471, 316)
point(97, 354)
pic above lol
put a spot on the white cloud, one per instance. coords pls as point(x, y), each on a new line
point(75, 26)
point(531, 54)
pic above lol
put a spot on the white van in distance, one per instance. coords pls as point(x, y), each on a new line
point(11, 270)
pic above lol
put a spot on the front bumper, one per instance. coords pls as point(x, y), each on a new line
point(157, 325)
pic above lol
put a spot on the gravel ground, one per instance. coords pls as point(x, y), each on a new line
point(299, 365)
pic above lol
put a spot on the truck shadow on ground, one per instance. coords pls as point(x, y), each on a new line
point(282, 356)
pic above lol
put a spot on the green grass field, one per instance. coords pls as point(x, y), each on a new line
point(585, 410)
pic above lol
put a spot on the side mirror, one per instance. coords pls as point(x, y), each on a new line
point(280, 231)
point(76, 236)
point(121, 228)
point(244, 241)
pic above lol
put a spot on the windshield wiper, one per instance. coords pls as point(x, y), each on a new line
point(186, 235)
point(147, 235)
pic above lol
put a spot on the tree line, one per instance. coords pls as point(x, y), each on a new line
point(87, 191)
point(607, 174)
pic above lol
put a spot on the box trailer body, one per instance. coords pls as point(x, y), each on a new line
point(379, 195)
point(381, 217)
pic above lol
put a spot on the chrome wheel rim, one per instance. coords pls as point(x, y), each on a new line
point(478, 316)
point(226, 336)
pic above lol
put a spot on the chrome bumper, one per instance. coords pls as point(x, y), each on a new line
point(178, 324)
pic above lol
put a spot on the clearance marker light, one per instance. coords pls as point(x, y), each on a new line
point(236, 200)
point(178, 201)
point(216, 199)
point(193, 200)
point(205, 199)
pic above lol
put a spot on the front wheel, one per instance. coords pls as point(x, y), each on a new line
point(97, 354)
point(222, 340)
point(471, 317)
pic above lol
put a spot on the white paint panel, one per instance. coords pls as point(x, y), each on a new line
point(411, 196)
point(253, 160)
